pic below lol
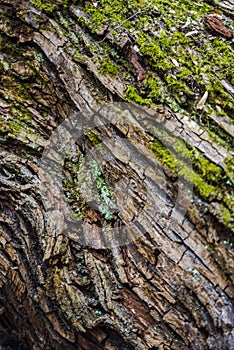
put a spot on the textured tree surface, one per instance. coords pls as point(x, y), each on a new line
point(170, 286)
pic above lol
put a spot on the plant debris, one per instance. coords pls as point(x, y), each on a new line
point(217, 26)
point(202, 101)
point(133, 58)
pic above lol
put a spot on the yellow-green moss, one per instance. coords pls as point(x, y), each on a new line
point(163, 154)
point(184, 69)
point(230, 169)
point(110, 68)
point(44, 5)
point(190, 163)
point(227, 216)
point(132, 95)
point(93, 138)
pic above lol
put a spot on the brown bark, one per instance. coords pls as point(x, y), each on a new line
point(167, 287)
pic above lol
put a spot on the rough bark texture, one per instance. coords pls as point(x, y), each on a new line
point(169, 287)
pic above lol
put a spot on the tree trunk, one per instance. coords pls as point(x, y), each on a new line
point(116, 219)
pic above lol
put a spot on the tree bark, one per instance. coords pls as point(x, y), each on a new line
point(133, 248)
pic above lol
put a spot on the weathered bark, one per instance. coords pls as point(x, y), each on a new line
point(169, 286)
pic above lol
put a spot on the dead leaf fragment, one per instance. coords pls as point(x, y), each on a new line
point(133, 58)
point(202, 101)
point(175, 62)
point(217, 26)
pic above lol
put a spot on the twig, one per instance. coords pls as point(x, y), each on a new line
point(127, 19)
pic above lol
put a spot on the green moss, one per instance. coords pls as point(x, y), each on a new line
point(4, 127)
point(152, 50)
point(93, 138)
point(205, 190)
point(111, 12)
point(230, 170)
point(177, 154)
point(110, 68)
point(200, 63)
point(219, 135)
point(154, 84)
point(176, 160)
point(227, 216)
point(132, 95)
point(209, 171)
point(184, 73)
point(44, 5)
point(177, 86)
point(163, 154)
point(178, 83)
point(97, 19)
point(155, 55)
point(7, 46)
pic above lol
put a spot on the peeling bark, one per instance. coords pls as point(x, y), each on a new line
point(169, 287)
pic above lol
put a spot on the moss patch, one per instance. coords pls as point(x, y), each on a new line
point(44, 5)
point(109, 68)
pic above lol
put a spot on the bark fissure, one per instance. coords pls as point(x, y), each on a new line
point(167, 286)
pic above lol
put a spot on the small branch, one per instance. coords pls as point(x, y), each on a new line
point(127, 19)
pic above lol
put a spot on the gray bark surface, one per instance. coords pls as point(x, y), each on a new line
point(168, 284)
